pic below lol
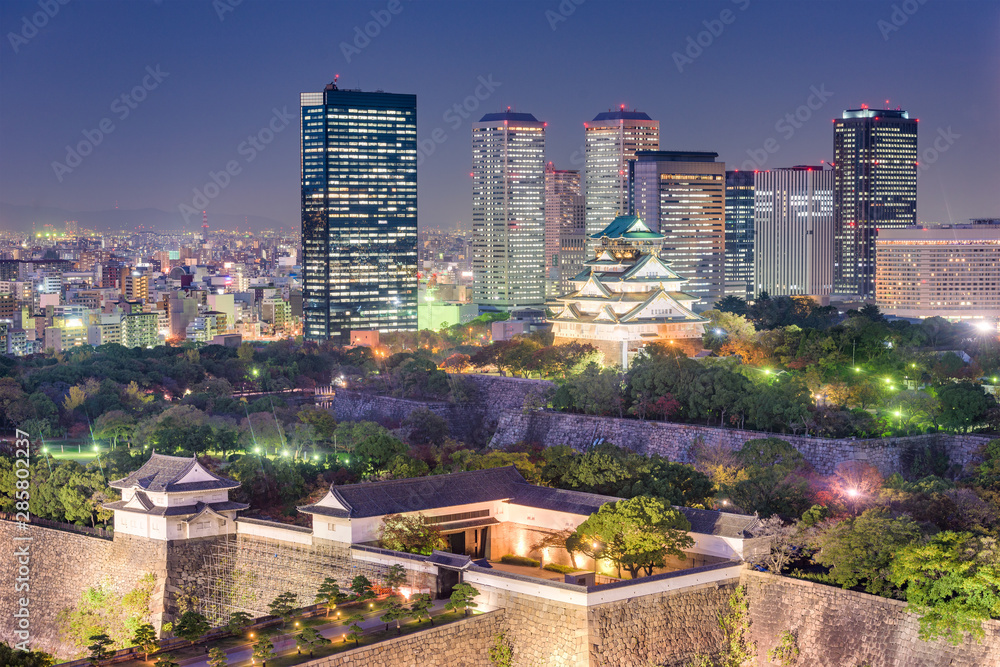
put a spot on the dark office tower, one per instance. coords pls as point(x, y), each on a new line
point(681, 194)
point(359, 212)
point(875, 187)
point(564, 214)
point(739, 233)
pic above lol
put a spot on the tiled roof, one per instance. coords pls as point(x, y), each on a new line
point(627, 227)
point(160, 474)
point(178, 510)
point(723, 524)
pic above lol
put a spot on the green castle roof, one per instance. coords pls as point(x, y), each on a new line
point(627, 227)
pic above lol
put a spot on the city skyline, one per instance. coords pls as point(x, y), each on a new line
point(163, 152)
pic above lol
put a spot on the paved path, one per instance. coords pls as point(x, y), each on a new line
point(284, 644)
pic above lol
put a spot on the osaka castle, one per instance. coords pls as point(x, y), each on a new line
point(627, 297)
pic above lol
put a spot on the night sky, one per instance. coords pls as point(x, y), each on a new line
point(225, 72)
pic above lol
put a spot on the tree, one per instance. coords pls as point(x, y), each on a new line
point(237, 621)
point(324, 424)
point(676, 483)
point(409, 533)
point(394, 612)
point(217, 658)
point(637, 534)
point(423, 427)
point(420, 605)
point(145, 638)
point(964, 405)
point(166, 660)
point(362, 588)
point(786, 652)
point(988, 472)
point(860, 550)
point(329, 594)
point(263, 650)
point(356, 631)
point(18, 658)
point(191, 626)
point(100, 649)
point(462, 598)
point(952, 581)
point(284, 606)
point(309, 639)
point(395, 577)
point(781, 549)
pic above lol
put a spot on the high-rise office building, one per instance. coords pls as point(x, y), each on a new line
point(564, 213)
point(681, 194)
point(739, 233)
point(508, 211)
point(875, 187)
point(611, 140)
point(793, 225)
point(359, 212)
point(950, 271)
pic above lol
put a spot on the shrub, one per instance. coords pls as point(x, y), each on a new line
point(511, 559)
point(562, 569)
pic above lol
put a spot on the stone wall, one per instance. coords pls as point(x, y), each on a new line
point(473, 422)
point(465, 643)
point(665, 629)
point(838, 628)
point(674, 441)
point(62, 566)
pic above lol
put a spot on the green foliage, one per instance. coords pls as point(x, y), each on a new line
point(145, 638)
point(988, 472)
point(423, 427)
point(394, 612)
point(102, 611)
point(737, 647)
point(420, 605)
point(237, 621)
point(100, 649)
point(284, 605)
point(263, 649)
point(635, 534)
point(513, 559)
point(166, 660)
point(501, 653)
point(217, 658)
point(814, 515)
point(786, 652)
point(394, 577)
point(362, 588)
point(17, 658)
point(964, 405)
point(462, 598)
point(191, 626)
point(356, 631)
point(952, 581)
point(409, 533)
point(771, 482)
point(329, 594)
point(594, 391)
point(310, 639)
point(860, 550)
point(561, 569)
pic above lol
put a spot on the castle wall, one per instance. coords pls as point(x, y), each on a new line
point(64, 564)
point(838, 628)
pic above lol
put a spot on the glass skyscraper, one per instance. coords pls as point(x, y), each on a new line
point(611, 140)
point(739, 233)
point(875, 187)
point(508, 211)
point(359, 212)
point(682, 195)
